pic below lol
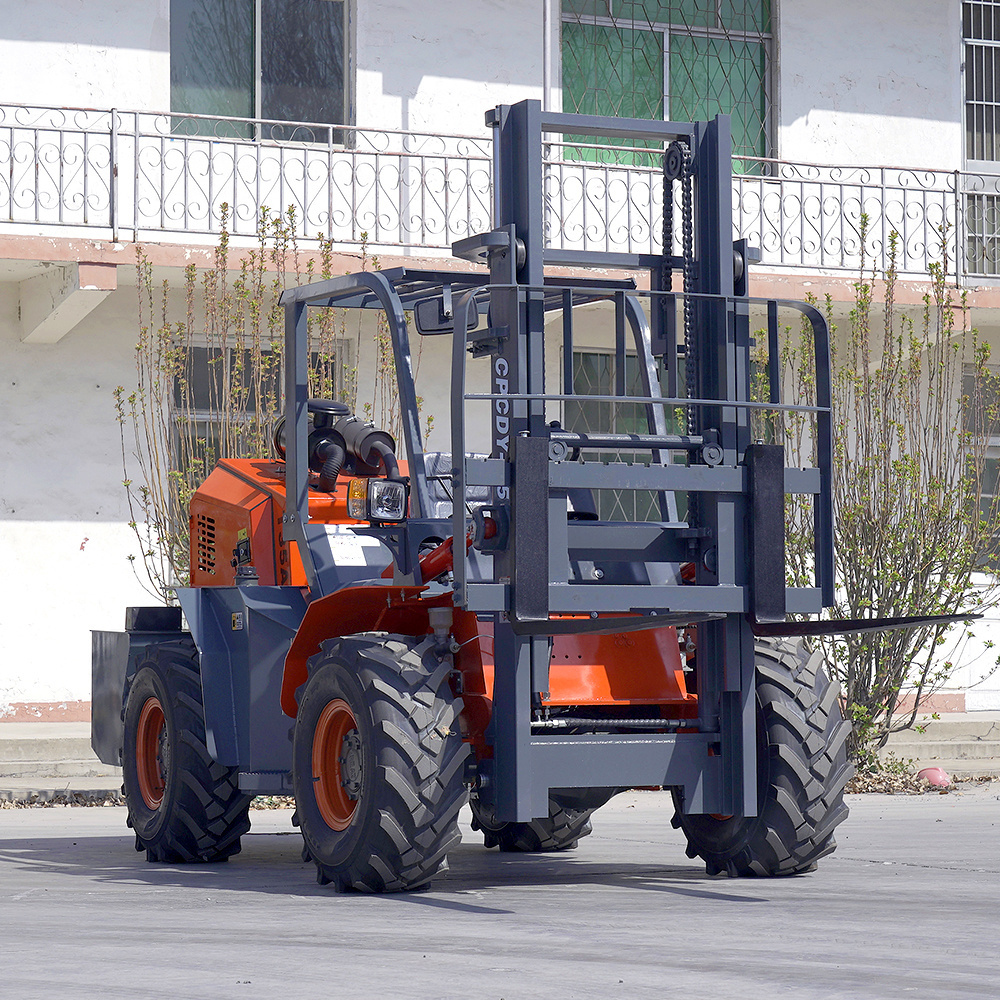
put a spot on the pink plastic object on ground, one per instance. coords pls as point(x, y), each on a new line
point(935, 775)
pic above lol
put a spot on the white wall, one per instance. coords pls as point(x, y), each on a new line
point(85, 53)
point(870, 83)
point(975, 653)
point(64, 539)
point(440, 66)
point(858, 82)
point(64, 536)
point(436, 66)
point(64, 542)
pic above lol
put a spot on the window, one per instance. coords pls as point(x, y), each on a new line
point(685, 60)
point(981, 423)
point(594, 375)
point(284, 60)
point(981, 33)
point(982, 219)
point(226, 401)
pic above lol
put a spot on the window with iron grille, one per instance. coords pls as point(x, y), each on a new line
point(284, 60)
point(981, 421)
point(685, 60)
point(981, 32)
point(981, 35)
point(594, 374)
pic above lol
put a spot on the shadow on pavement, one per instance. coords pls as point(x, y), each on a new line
point(271, 863)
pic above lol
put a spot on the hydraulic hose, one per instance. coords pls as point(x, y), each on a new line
point(333, 462)
point(382, 449)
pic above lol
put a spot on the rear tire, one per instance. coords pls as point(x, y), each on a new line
point(379, 763)
point(560, 831)
point(183, 805)
point(802, 770)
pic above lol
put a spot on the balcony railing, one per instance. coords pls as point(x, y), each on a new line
point(800, 215)
point(136, 174)
point(125, 175)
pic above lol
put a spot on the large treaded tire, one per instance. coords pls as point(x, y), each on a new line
point(802, 771)
point(560, 831)
point(379, 763)
point(182, 805)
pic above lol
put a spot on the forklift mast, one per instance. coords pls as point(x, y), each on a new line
point(734, 530)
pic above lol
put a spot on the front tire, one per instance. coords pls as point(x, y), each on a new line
point(802, 769)
point(183, 805)
point(379, 763)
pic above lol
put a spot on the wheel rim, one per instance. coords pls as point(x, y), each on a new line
point(151, 752)
point(336, 764)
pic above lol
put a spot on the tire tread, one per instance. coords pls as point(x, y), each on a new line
point(807, 770)
point(419, 786)
point(561, 830)
point(206, 813)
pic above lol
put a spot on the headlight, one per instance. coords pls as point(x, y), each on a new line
point(386, 500)
point(377, 500)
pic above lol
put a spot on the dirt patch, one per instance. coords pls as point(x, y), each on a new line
point(61, 797)
point(892, 783)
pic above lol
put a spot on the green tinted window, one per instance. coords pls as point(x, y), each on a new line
point(710, 76)
point(687, 60)
point(739, 16)
point(612, 71)
point(211, 59)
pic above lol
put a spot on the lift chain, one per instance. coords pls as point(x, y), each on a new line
point(670, 174)
point(687, 249)
point(677, 166)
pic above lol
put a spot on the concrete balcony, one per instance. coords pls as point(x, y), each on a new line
point(142, 176)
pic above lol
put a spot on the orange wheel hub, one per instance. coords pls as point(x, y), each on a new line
point(150, 740)
point(336, 764)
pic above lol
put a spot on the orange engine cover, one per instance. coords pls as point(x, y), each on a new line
point(244, 500)
point(588, 671)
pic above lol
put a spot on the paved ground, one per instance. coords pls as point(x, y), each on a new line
point(909, 906)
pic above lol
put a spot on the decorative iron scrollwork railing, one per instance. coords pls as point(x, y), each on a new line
point(812, 216)
point(134, 175)
point(137, 173)
point(800, 215)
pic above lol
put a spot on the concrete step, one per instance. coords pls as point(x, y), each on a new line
point(952, 749)
point(46, 756)
point(69, 790)
point(51, 748)
point(31, 751)
point(963, 727)
point(961, 767)
point(960, 743)
point(32, 732)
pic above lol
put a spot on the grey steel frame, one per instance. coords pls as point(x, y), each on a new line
point(729, 533)
point(717, 538)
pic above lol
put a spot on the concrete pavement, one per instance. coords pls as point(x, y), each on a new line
point(907, 907)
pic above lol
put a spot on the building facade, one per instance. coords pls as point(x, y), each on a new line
point(134, 123)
